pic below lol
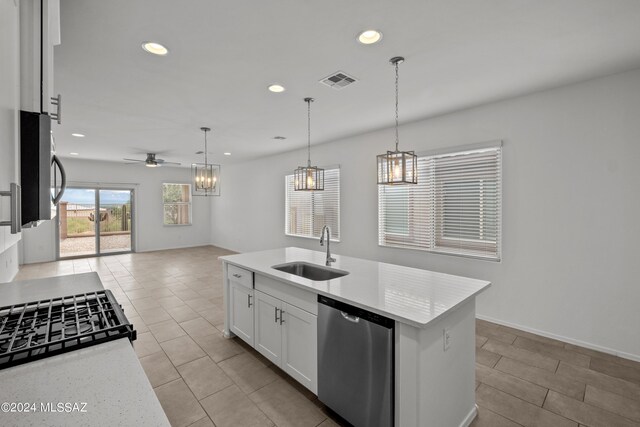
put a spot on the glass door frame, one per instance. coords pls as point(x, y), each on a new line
point(97, 189)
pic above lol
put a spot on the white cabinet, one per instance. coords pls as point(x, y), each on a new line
point(287, 336)
point(241, 307)
point(268, 327)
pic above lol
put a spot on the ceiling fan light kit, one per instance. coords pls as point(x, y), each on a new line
point(205, 176)
point(308, 178)
point(397, 167)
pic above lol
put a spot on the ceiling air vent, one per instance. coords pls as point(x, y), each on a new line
point(338, 80)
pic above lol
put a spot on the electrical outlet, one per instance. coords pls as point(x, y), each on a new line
point(446, 338)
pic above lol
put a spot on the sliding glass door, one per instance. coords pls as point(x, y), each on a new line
point(94, 221)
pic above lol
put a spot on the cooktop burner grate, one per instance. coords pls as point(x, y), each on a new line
point(38, 329)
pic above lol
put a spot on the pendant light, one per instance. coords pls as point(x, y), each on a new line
point(308, 178)
point(397, 167)
point(205, 175)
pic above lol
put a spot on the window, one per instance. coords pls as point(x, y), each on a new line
point(177, 204)
point(455, 208)
point(306, 212)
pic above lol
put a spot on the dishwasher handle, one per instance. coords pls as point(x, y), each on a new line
point(350, 318)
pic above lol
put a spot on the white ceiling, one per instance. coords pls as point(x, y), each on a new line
point(224, 54)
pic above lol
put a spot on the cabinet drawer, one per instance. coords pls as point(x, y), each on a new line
point(240, 275)
point(291, 294)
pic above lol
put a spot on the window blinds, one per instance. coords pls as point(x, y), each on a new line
point(306, 212)
point(455, 208)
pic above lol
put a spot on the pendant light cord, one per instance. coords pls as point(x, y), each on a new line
point(397, 138)
point(309, 101)
point(205, 148)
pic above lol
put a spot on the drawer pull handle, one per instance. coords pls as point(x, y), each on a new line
point(237, 275)
point(275, 311)
point(249, 300)
point(281, 317)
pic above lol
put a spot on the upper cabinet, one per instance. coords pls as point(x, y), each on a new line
point(39, 33)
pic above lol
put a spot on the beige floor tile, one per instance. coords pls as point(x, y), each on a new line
point(170, 302)
point(486, 358)
point(146, 344)
point(612, 402)
point(480, 340)
point(524, 356)
point(198, 327)
point(185, 294)
point(199, 304)
point(584, 413)
point(181, 407)
point(204, 422)
point(517, 387)
point(204, 377)
point(487, 418)
point(159, 369)
point(600, 380)
point(518, 410)
point(154, 315)
point(232, 408)
point(218, 347)
point(553, 351)
point(182, 350)
point(492, 331)
point(285, 406)
point(247, 372)
point(560, 383)
point(617, 370)
point(601, 355)
point(138, 294)
point(167, 330)
point(138, 324)
point(182, 313)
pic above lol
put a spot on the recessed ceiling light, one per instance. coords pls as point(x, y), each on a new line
point(227, 154)
point(155, 48)
point(276, 88)
point(280, 137)
point(74, 154)
point(78, 135)
point(370, 37)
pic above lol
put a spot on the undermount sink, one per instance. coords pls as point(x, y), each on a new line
point(310, 271)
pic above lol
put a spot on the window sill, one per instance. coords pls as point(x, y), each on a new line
point(310, 237)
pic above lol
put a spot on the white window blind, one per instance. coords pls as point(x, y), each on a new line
point(306, 212)
point(455, 208)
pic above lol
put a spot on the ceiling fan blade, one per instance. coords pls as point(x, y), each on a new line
point(171, 163)
point(135, 160)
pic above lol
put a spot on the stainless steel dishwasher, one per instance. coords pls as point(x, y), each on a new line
point(355, 363)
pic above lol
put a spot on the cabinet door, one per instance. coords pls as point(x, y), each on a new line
point(267, 327)
point(299, 346)
point(241, 311)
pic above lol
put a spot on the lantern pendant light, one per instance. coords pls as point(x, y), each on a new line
point(397, 167)
point(308, 178)
point(204, 175)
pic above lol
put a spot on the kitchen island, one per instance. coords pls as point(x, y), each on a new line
point(100, 385)
point(434, 314)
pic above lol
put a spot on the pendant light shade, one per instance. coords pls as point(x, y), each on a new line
point(205, 176)
point(397, 167)
point(308, 178)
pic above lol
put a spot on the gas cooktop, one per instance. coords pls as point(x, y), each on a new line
point(39, 329)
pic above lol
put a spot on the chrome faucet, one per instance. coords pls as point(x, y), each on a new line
point(329, 258)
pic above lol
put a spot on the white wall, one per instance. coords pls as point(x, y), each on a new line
point(570, 264)
point(9, 130)
point(38, 244)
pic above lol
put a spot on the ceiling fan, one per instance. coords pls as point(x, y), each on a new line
point(151, 161)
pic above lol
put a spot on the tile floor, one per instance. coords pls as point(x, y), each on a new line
point(174, 299)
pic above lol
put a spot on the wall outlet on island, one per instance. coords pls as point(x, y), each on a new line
point(446, 338)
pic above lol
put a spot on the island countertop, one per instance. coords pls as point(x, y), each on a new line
point(408, 295)
point(107, 377)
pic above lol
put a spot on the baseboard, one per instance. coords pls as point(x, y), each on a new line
point(470, 417)
point(591, 346)
point(226, 249)
point(168, 248)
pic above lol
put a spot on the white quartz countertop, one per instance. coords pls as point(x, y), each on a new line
point(107, 377)
point(409, 295)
